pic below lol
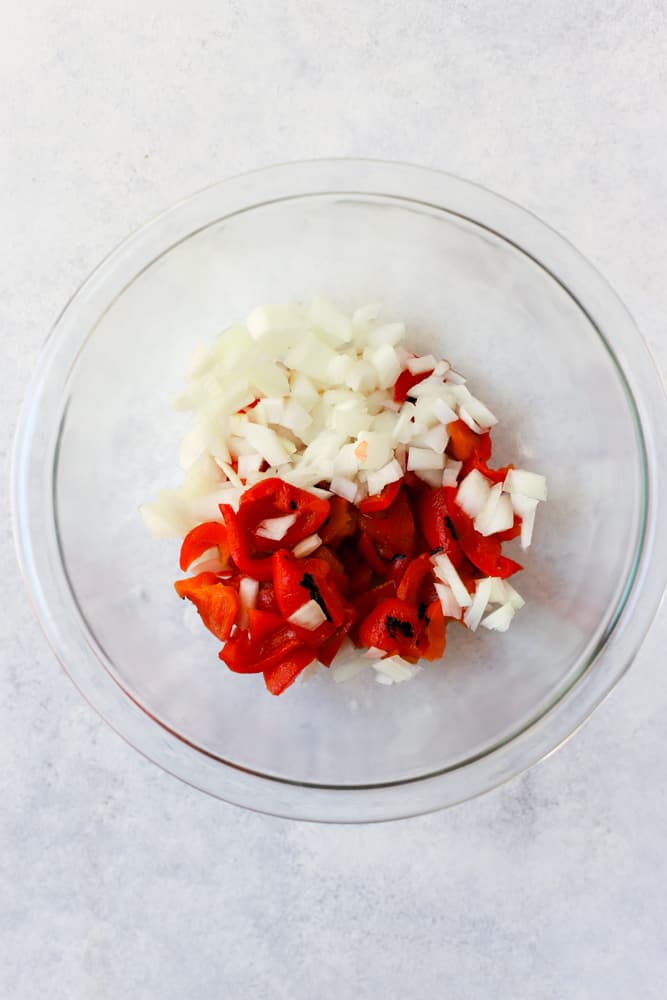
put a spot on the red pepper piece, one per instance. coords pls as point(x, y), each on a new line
point(393, 530)
point(510, 533)
point(203, 537)
point(239, 547)
point(275, 498)
point(410, 585)
point(382, 500)
point(262, 624)
point(297, 581)
point(484, 552)
point(338, 575)
point(433, 639)
point(369, 552)
point(359, 582)
point(286, 671)
point(330, 648)
point(397, 567)
point(340, 523)
point(405, 381)
point(463, 442)
point(394, 626)
point(245, 656)
point(266, 598)
point(217, 604)
point(437, 525)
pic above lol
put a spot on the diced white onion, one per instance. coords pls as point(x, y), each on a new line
point(248, 464)
point(389, 473)
point(275, 528)
point(232, 476)
point(248, 591)
point(331, 320)
point(424, 364)
point(443, 411)
point(272, 319)
point(526, 508)
point(473, 615)
point(424, 458)
point(345, 488)
point(306, 546)
point(469, 420)
point(395, 669)
point(445, 571)
point(436, 439)
point(450, 606)
point(309, 616)
point(473, 493)
point(373, 653)
point(431, 476)
point(500, 619)
point(267, 443)
point(451, 472)
point(528, 484)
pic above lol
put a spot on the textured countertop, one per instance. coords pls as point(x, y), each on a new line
point(116, 880)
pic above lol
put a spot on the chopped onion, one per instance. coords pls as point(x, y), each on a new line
point(387, 333)
point(232, 476)
point(404, 427)
point(473, 615)
point(526, 508)
point(497, 513)
point(503, 592)
point(389, 473)
point(528, 484)
point(435, 439)
point(500, 619)
point(424, 458)
point(473, 493)
point(267, 443)
point(248, 591)
point(386, 364)
point(309, 616)
point(361, 376)
point(451, 472)
point(431, 476)
point(395, 669)
point(345, 488)
point(348, 669)
point(331, 321)
point(306, 546)
point(373, 653)
point(443, 411)
point(450, 606)
point(424, 364)
point(366, 315)
point(247, 464)
point(273, 319)
point(275, 528)
point(378, 450)
point(467, 419)
point(445, 571)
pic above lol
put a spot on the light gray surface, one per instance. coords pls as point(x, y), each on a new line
point(116, 880)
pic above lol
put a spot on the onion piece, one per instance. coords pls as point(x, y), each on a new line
point(247, 464)
point(431, 476)
point(389, 473)
point(231, 474)
point(526, 508)
point(275, 528)
point(394, 669)
point(418, 365)
point(500, 619)
point(267, 443)
point(473, 615)
point(435, 439)
point(386, 333)
point(424, 458)
point(443, 411)
point(450, 606)
point(309, 616)
point(467, 419)
point(373, 653)
point(445, 571)
point(528, 484)
point(248, 591)
point(450, 475)
point(273, 319)
point(497, 513)
point(328, 318)
point(473, 493)
point(306, 546)
point(345, 488)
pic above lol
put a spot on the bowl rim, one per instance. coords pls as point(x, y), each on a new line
point(622, 638)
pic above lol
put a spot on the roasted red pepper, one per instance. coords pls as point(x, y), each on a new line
point(274, 497)
point(463, 442)
point(418, 570)
point(210, 535)
point(406, 381)
point(296, 581)
point(341, 522)
point(217, 604)
point(286, 671)
point(393, 626)
point(433, 639)
point(437, 525)
point(239, 547)
point(244, 655)
point(392, 531)
point(382, 500)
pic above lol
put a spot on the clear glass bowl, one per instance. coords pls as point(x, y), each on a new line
point(539, 334)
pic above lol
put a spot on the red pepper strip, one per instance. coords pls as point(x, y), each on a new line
point(258, 569)
point(262, 624)
point(366, 602)
point(475, 462)
point(382, 500)
point(433, 639)
point(217, 604)
point(203, 537)
point(266, 598)
point(463, 442)
point(394, 626)
point(338, 575)
point(284, 673)
point(397, 567)
point(297, 581)
point(405, 381)
point(433, 515)
point(275, 498)
point(392, 530)
point(369, 552)
point(341, 522)
point(330, 648)
point(245, 656)
point(410, 585)
point(484, 552)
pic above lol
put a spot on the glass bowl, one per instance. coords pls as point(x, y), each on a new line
point(540, 336)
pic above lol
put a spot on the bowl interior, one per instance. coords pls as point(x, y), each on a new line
point(527, 348)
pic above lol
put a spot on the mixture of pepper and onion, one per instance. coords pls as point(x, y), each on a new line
point(338, 498)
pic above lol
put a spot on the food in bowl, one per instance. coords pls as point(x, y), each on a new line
point(338, 497)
